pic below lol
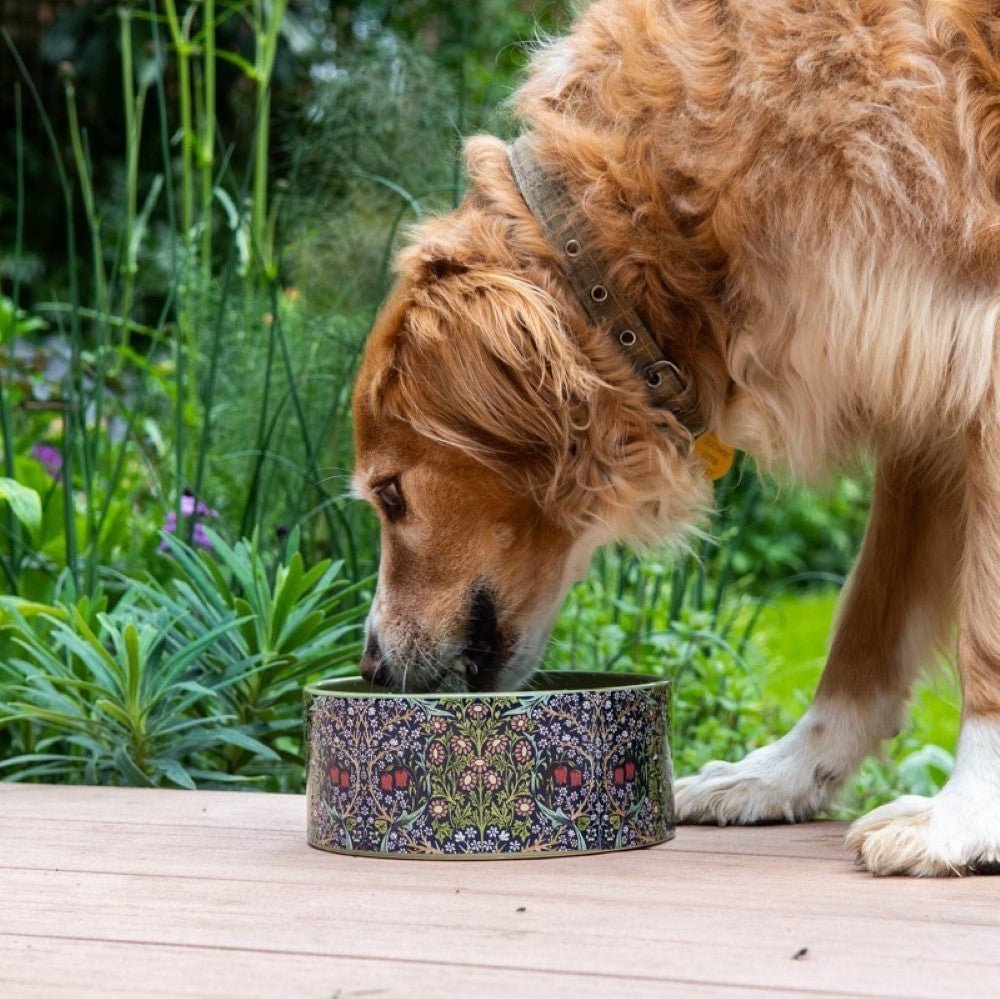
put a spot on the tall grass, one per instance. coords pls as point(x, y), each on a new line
point(219, 295)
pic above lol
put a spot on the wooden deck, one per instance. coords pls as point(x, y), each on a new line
point(143, 893)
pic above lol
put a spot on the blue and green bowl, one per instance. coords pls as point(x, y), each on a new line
point(576, 763)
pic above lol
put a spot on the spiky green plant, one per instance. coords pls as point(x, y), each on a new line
point(115, 701)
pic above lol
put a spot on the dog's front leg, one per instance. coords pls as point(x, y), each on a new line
point(957, 831)
point(897, 606)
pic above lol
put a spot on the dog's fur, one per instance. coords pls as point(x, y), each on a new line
point(801, 199)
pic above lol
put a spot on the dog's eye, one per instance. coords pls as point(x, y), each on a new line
point(390, 497)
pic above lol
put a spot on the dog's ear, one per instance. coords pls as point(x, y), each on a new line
point(483, 362)
point(433, 259)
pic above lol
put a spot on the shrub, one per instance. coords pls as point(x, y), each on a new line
point(196, 682)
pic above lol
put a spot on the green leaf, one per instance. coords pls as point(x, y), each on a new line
point(237, 738)
point(24, 503)
point(128, 769)
point(174, 772)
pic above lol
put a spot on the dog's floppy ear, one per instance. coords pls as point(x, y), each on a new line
point(433, 260)
point(439, 254)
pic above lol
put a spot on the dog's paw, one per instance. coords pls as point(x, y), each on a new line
point(956, 832)
point(925, 837)
point(770, 785)
point(793, 778)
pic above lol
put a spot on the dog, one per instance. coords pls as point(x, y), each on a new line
point(799, 203)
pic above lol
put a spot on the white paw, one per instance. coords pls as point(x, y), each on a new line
point(926, 838)
point(790, 780)
point(770, 785)
point(956, 832)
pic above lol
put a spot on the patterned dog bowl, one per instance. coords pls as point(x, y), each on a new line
point(577, 763)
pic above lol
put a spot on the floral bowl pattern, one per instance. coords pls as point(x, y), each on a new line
point(577, 763)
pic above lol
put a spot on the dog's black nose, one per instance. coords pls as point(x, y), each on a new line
point(371, 662)
point(483, 644)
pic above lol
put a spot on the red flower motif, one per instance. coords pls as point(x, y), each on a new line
point(461, 744)
point(436, 752)
point(629, 770)
point(335, 774)
point(492, 780)
point(519, 722)
point(468, 780)
point(438, 808)
point(345, 779)
point(385, 782)
point(575, 778)
point(478, 763)
point(496, 744)
point(437, 724)
point(522, 751)
point(401, 777)
point(619, 776)
point(560, 773)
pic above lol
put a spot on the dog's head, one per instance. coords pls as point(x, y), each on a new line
point(500, 440)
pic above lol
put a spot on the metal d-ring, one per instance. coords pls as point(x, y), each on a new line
point(654, 378)
point(599, 293)
point(627, 338)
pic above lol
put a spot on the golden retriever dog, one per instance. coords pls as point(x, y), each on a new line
point(800, 201)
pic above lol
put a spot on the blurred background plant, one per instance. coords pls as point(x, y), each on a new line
point(197, 221)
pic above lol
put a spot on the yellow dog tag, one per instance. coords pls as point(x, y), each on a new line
point(717, 455)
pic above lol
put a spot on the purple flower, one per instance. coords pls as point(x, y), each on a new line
point(200, 539)
point(194, 509)
point(50, 457)
point(190, 507)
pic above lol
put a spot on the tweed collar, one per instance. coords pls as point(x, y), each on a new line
point(566, 231)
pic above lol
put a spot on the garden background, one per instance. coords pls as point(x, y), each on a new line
point(199, 202)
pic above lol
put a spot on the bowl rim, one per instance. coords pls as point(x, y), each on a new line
point(583, 681)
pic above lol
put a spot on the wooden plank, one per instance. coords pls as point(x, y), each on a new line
point(43, 967)
point(561, 932)
point(162, 807)
point(694, 879)
point(212, 871)
point(287, 812)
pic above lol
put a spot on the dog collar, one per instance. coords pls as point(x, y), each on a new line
point(554, 209)
point(552, 206)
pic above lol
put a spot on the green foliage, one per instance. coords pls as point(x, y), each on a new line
point(793, 529)
point(297, 625)
point(196, 683)
point(679, 620)
point(23, 501)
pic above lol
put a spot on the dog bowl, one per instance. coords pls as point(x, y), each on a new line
point(577, 763)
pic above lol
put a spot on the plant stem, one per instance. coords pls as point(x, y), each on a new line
point(134, 106)
point(269, 15)
point(182, 48)
point(180, 430)
point(89, 455)
point(207, 154)
point(12, 524)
